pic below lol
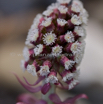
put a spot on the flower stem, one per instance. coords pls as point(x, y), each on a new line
point(46, 97)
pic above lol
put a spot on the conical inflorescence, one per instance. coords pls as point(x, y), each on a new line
point(55, 43)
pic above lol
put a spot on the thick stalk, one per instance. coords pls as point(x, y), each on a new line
point(46, 97)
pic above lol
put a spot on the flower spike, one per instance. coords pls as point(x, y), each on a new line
point(55, 49)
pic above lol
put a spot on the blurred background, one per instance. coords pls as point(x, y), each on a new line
point(16, 17)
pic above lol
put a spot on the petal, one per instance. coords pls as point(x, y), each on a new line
point(26, 99)
point(31, 89)
point(73, 99)
point(45, 88)
point(37, 82)
point(55, 99)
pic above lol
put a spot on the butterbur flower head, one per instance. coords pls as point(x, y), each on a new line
point(63, 9)
point(38, 49)
point(67, 76)
point(76, 20)
point(77, 47)
point(78, 57)
point(52, 78)
point(56, 50)
point(72, 84)
point(69, 37)
point(34, 35)
point(80, 31)
point(46, 22)
point(68, 64)
point(26, 54)
point(55, 45)
point(32, 69)
point(44, 70)
point(76, 6)
point(61, 22)
point(49, 38)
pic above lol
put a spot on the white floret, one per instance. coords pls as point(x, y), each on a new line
point(69, 64)
point(32, 35)
point(84, 15)
point(63, 9)
point(38, 49)
point(37, 18)
point(78, 58)
point(36, 21)
point(23, 65)
point(69, 37)
point(78, 2)
point(72, 84)
point(80, 31)
point(27, 42)
point(26, 54)
point(56, 50)
point(47, 22)
point(51, 79)
point(61, 22)
point(68, 76)
point(31, 69)
point(44, 70)
point(76, 20)
point(76, 8)
point(49, 38)
point(77, 47)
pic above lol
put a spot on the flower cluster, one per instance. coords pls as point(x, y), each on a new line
point(59, 31)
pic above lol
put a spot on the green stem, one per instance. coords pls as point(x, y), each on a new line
point(46, 97)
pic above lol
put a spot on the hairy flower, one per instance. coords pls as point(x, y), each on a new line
point(76, 20)
point(46, 22)
point(31, 69)
point(38, 49)
point(69, 37)
point(57, 50)
point(26, 54)
point(61, 22)
point(67, 76)
point(72, 84)
point(63, 9)
point(44, 70)
point(49, 38)
point(80, 31)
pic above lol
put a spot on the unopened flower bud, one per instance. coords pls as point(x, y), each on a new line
point(52, 78)
point(66, 62)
